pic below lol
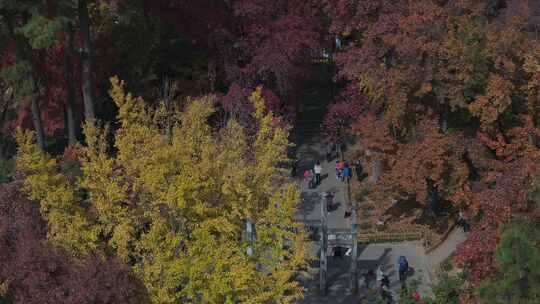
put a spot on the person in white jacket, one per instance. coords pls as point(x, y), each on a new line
point(380, 274)
point(318, 170)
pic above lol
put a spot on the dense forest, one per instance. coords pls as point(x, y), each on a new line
point(137, 139)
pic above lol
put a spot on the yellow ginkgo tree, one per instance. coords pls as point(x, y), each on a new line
point(174, 205)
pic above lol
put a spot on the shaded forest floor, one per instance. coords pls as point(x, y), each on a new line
point(310, 143)
point(386, 215)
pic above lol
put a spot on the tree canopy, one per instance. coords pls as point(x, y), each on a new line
point(440, 96)
point(174, 208)
point(518, 254)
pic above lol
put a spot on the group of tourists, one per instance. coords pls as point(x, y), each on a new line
point(384, 281)
point(343, 171)
point(313, 176)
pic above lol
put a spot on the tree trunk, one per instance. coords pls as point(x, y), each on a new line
point(168, 94)
point(473, 172)
point(36, 114)
point(500, 127)
point(443, 103)
point(2, 136)
point(86, 61)
point(432, 197)
point(70, 84)
point(249, 236)
point(22, 53)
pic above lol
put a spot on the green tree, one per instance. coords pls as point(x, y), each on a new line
point(518, 256)
point(24, 26)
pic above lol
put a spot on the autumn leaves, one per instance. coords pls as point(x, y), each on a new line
point(175, 210)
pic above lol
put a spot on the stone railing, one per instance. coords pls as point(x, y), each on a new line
point(423, 235)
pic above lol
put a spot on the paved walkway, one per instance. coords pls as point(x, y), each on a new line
point(310, 208)
point(445, 250)
point(310, 148)
point(370, 256)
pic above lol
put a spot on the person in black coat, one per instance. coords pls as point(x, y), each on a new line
point(358, 170)
point(329, 152)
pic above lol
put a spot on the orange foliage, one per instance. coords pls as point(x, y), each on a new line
point(429, 155)
point(489, 107)
point(456, 102)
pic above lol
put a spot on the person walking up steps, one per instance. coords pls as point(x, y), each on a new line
point(339, 169)
point(462, 222)
point(403, 269)
point(329, 152)
point(308, 176)
point(318, 170)
point(346, 173)
point(386, 293)
point(358, 170)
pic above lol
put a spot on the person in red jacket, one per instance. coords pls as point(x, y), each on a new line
point(309, 176)
point(339, 169)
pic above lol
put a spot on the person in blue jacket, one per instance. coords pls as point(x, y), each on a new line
point(403, 268)
point(346, 173)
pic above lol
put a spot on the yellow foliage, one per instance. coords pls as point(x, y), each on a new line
point(370, 88)
point(270, 147)
point(130, 110)
point(67, 225)
point(105, 188)
point(175, 208)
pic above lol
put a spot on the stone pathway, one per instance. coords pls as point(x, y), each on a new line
point(370, 256)
point(445, 250)
point(310, 208)
point(310, 148)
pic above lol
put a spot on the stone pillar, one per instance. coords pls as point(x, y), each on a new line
point(354, 253)
point(324, 245)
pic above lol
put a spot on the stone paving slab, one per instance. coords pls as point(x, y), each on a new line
point(370, 258)
point(445, 250)
point(310, 208)
point(311, 148)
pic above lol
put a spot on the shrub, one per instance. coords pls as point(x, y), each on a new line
point(6, 168)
